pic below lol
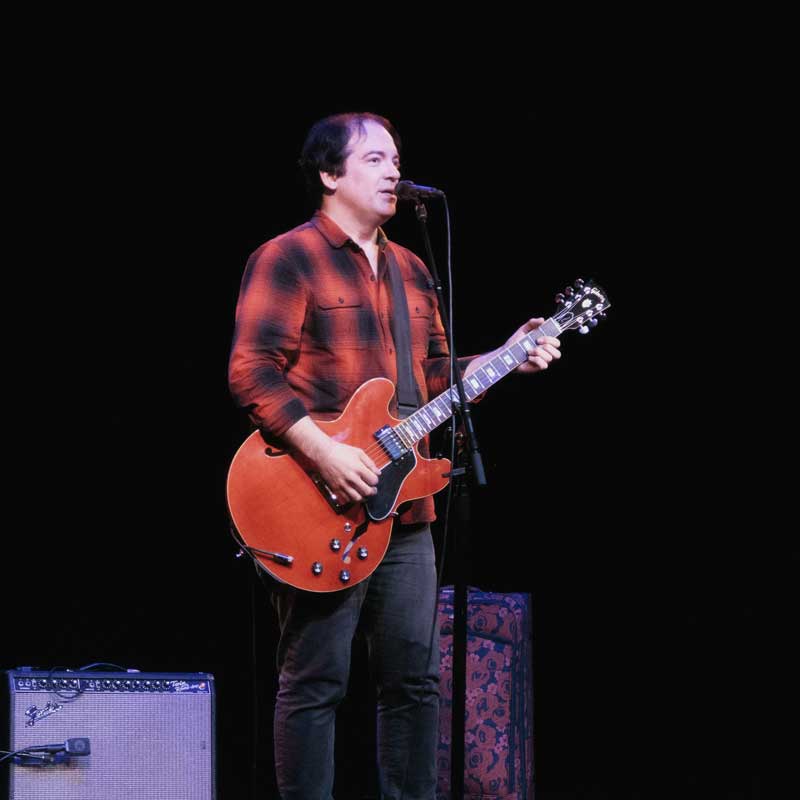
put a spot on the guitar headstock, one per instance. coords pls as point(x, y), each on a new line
point(581, 306)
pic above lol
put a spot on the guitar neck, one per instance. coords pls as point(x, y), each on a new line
point(440, 409)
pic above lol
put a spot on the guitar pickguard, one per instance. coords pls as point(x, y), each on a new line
point(380, 505)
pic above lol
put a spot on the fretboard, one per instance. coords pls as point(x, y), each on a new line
point(440, 409)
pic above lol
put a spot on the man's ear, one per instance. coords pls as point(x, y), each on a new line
point(329, 181)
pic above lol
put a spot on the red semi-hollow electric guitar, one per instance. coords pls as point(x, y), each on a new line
point(289, 520)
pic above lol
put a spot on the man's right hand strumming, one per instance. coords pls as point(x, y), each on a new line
point(345, 469)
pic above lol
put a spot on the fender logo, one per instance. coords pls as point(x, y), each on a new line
point(34, 713)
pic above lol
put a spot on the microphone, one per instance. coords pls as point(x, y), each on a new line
point(406, 190)
point(74, 747)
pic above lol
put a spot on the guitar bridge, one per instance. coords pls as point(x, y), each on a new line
point(330, 496)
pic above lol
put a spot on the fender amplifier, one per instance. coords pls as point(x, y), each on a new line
point(107, 735)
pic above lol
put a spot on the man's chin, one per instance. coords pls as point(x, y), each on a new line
point(388, 211)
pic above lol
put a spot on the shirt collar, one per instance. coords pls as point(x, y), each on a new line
point(335, 236)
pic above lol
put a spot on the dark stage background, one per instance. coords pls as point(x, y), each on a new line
point(145, 209)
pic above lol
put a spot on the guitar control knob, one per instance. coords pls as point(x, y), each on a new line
point(336, 545)
point(344, 576)
point(362, 552)
point(348, 527)
point(316, 568)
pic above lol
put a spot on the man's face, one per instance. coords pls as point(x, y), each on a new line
point(371, 172)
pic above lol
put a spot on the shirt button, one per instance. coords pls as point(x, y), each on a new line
point(341, 299)
point(372, 278)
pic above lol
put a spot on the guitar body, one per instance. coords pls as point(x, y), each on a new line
point(281, 512)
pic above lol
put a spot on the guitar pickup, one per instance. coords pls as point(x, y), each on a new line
point(391, 443)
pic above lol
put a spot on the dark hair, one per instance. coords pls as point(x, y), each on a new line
point(325, 148)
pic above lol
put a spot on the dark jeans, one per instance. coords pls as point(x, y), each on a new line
point(394, 609)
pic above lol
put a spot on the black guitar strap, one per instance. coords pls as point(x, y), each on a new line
point(407, 391)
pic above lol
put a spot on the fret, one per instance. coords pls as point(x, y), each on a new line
point(528, 343)
point(405, 435)
point(491, 372)
point(437, 412)
point(483, 376)
point(508, 360)
point(549, 328)
point(474, 385)
point(500, 366)
point(519, 352)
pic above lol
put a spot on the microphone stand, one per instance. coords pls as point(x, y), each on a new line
point(462, 533)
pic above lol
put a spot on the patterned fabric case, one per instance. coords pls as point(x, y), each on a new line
point(499, 704)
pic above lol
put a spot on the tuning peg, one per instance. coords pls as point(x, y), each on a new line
point(583, 329)
point(592, 323)
point(560, 299)
point(569, 291)
point(602, 315)
point(580, 283)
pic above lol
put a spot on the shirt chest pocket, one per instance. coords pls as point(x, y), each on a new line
point(342, 320)
point(420, 316)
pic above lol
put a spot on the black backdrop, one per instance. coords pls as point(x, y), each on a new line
point(145, 207)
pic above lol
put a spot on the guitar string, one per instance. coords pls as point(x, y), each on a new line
point(376, 449)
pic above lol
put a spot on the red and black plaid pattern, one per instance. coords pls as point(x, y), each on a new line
point(313, 323)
